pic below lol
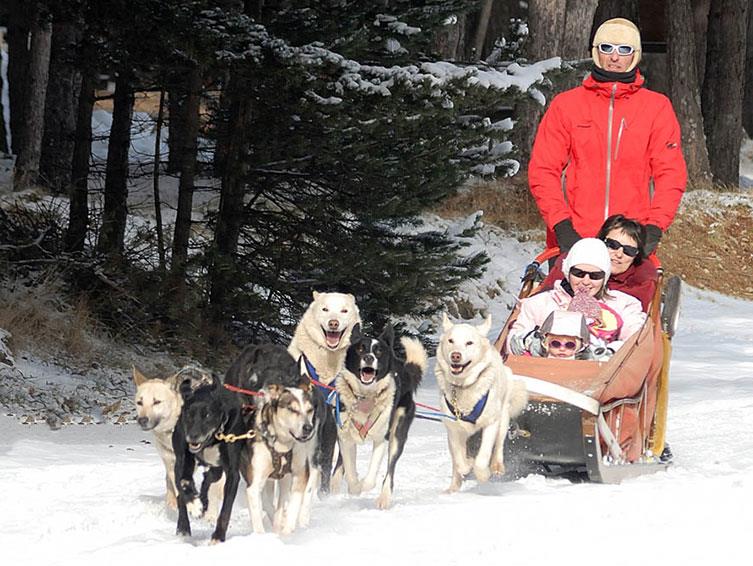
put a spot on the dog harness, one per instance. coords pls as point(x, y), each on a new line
point(331, 396)
point(365, 405)
point(475, 413)
point(281, 462)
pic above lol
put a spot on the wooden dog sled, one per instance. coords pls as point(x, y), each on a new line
point(604, 421)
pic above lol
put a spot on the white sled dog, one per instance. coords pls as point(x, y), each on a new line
point(323, 334)
point(322, 337)
point(480, 391)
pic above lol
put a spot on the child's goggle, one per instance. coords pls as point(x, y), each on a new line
point(608, 49)
point(569, 345)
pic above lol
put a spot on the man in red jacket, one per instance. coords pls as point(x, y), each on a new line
point(611, 137)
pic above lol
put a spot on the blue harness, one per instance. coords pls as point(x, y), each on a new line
point(475, 413)
point(330, 394)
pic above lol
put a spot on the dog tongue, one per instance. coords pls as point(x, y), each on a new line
point(333, 338)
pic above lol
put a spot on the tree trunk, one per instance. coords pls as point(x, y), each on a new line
point(546, 20)
point(482, 25)
point(18, 68)
point(230, 214)
point(608, 9)
point(78, 221)
point(61, 105)
point(189, 144)
point(684, 91)
point(4, 144)
point(115, 211)
point(701, 24)
point(578, 22)
point(722, 96)
point(30, 150)
point(451, 42)
point(155, 180)
point(175, 126)
point(748, 92)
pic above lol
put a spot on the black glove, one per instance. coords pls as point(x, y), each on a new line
point(566, 235)
point(653, 235)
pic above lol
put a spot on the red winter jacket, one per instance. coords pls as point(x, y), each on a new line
point(613, 137)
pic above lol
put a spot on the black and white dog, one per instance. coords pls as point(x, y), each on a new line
point(376, 392)
point(210, 413)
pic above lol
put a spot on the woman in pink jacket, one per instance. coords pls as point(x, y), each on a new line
point(613, 316)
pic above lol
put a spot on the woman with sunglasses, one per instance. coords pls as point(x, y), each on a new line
point(611, 137)
point(613, 316)
point(625, 240)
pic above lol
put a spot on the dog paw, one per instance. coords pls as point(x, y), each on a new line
point(171, 500)
point(452, 489)
point(304, 518)
point(482, 473)
point(384, 501)
point(195, 507)
point(367, 485)
point(355, 488)
point(464, 468)
point(498, 469)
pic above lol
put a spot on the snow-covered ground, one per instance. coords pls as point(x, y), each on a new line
point(94, 494)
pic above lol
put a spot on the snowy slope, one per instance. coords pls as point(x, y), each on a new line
point(93, 494)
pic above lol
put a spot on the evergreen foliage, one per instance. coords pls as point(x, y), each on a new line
point(345, 152)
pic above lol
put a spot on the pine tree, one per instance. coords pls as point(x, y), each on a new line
point(348, 143)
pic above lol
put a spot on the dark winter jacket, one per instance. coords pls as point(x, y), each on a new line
point(613, 137)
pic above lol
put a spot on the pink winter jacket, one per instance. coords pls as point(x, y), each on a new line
point(534, 310)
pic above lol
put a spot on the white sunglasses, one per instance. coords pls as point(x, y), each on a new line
point(608, 48)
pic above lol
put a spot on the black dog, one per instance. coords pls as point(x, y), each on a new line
point(376, 392)
point(209, 413)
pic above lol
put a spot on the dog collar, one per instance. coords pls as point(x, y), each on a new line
point(475, 413)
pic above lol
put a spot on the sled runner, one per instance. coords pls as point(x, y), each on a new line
point(602, 420)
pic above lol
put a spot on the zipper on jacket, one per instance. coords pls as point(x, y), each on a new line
point(619, 138)
point(609, 152)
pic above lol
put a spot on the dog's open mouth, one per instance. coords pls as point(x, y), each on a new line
point(457, 369)
point(333, 338)
point(367, 375)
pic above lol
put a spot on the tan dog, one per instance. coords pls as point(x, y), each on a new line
point(158, 405)
point(283, 424)
point(480, 391)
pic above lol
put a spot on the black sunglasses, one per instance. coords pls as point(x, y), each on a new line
point(569, 345)
point(581, 273)
point(630, 251)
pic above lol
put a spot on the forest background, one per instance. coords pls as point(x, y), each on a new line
point(299, 145)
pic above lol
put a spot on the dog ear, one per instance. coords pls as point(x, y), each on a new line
point(315, 294)
point(138, 377)
point(273, 390)
point(355, 334)
point(186, 389)
point(446, 322)
point(305, 384)
point(388, 335)
point(485, 326)
point(303, 368)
